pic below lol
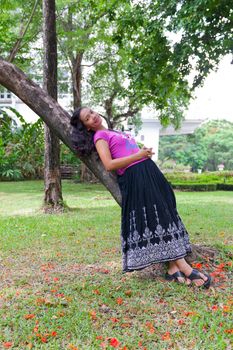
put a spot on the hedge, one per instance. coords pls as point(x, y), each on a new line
point(201, 187)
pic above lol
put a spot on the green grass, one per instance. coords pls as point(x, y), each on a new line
point(65, 271)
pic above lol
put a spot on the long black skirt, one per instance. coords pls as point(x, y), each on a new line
point(151, 229)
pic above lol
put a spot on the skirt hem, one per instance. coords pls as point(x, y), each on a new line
point(154, 262)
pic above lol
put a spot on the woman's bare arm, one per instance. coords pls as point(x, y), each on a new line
point(114, 164)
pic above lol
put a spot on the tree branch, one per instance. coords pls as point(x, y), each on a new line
point(95, 62)
point(22, 33)
point(55, 117)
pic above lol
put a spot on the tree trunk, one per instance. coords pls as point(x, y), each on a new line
point(76, 80)
point(54, 116)
point(59, 121)
point(52, 176)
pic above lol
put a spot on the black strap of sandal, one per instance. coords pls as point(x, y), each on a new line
point(195, 275)
point(174, 276)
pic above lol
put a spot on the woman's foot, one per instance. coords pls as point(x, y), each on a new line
point(173, 273)
point(196, 276)
point(199, 279)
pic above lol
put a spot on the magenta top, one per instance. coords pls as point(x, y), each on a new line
point(120, 145)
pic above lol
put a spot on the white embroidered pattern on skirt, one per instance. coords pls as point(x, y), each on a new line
point(137, 257)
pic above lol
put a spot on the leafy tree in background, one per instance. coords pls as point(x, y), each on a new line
point(209, 145)
point(151, 46)
point(167, 41)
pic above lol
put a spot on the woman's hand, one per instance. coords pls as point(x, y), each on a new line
point(145, 153)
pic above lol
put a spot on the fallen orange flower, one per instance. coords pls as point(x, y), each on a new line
point(119, 301)
point(128, 292)
point(114, 342)
point(96, 291)
point(229, 331)
point(93, 315)
point(226, 308)
point(197, 266)
point(166, 336)
point(72, 347)
point(7, 345)
point(214, 307)
point(180, 322)
point(150, 326)
point(189, 313)
point(29, 316)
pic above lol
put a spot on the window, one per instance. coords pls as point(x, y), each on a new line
point(5, 94)
point(142, 137)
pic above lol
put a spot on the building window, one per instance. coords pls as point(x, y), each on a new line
point(5, 94)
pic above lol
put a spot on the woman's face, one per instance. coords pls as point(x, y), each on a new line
point(90, 119)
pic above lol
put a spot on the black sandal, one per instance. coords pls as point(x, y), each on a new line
point(174, 277)
point(195, 275)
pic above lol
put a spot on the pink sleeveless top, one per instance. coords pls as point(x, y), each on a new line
point(120, 145)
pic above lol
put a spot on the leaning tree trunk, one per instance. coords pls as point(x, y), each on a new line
point(59, 121)
point(53, 201)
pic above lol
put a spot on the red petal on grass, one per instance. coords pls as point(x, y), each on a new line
point(96, 291)
point(226, 308)
point(114, 342)
point(93, 315)
point(29, 316)
point(113, 319)
point(119, 301)
point(44, 340)
point(140, 345)
point(229, 331)
point(166, 336)
point(181, 322)
point(72, 347)
point(53, 334)
point(99, 337)
point(214, 307)
point(188, 313)
point(128, 292)
point(197, 266)
point(56, 279)
point(60, 295)
point(7, 345)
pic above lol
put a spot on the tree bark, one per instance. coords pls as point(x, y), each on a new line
point(59, 121)
point(53, 200)
point(77, 78)
point(54, 116)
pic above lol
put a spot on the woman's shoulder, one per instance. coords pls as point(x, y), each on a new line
point(102, 134)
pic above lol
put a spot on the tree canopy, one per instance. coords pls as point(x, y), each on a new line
point(128, 53)
point(209, 145)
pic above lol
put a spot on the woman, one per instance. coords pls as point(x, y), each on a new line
point(151, 229)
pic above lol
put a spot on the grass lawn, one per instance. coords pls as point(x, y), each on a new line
point(62, 285)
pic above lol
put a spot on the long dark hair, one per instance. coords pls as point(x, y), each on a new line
point(81, 138)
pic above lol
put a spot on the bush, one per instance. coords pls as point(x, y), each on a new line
point(195, 187)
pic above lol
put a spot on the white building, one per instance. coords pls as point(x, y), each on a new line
point(151, 130)
point(8, 99)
